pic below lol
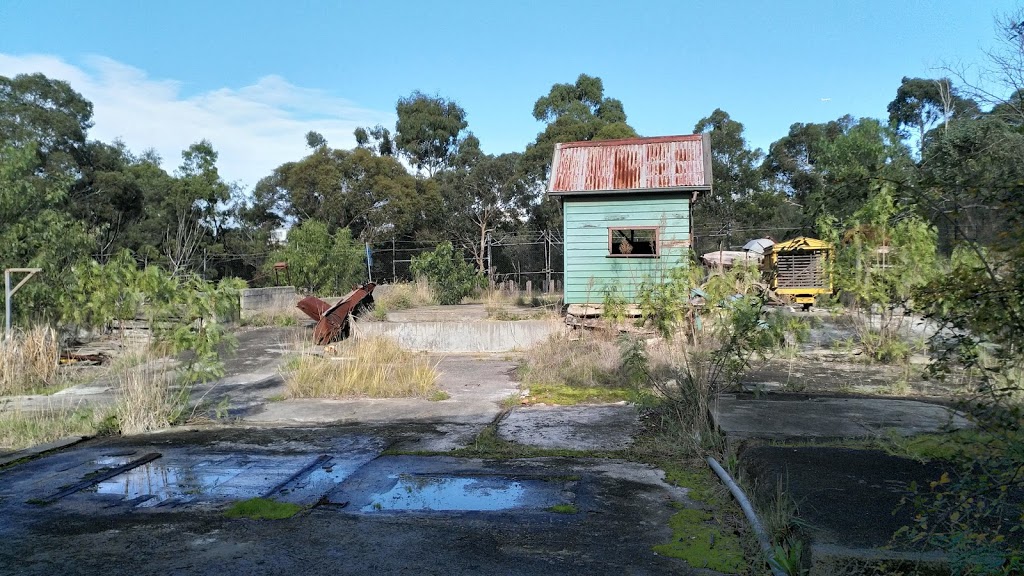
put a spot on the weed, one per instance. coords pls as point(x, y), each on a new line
point(375, 368)
point(778, 512)
point(788, 557)
point(439, 396)
point(150, 398)
point(277, 398)
point(28, 362)
point(262, 509)
point(564, 509)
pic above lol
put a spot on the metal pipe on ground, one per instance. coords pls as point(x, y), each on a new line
point(748, 511)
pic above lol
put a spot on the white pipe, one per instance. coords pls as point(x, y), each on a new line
point(748, 510)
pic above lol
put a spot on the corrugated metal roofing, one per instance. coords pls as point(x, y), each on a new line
point(660, 163)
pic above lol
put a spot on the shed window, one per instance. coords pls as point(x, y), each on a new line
point(633, 242)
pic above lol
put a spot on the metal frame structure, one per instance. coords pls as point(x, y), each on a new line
point(9, 293)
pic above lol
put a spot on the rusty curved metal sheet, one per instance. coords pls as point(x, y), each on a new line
point(332, 320)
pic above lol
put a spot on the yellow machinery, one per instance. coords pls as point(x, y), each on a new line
point(798, 269)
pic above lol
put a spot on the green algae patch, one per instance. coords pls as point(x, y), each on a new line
point(565, 395)
point(696, 541)
point(262, 509)
point(564, 509)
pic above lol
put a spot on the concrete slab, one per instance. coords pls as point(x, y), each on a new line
point(463, 337)
point(847, 497)
point(38, 449)
point(785, 418)
point(623, 509)
point(572, 427)
point(476, 385)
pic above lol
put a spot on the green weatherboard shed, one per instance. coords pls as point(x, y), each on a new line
point(626, 210)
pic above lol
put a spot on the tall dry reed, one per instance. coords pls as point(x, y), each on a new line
point(29, 361)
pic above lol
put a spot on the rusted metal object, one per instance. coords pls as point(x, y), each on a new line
point(666, 162)
point(332, 321)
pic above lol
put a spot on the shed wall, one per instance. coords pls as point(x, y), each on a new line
point(589, 272)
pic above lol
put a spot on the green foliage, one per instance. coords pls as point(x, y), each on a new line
point(788, 557)
point(574, 112)
point(428, 129)
point(613, 305)
point(36, 232)
point(717, 326)
point(320, 262)
point(486, 194)
point(885, 254)
point(450, 276)
point(185, 313)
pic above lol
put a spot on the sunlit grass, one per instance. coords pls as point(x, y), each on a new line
point(374, 368)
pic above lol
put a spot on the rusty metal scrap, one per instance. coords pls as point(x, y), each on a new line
point(332, 321)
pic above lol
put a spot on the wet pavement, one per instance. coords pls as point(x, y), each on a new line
point(155, 505)
point(793, 417)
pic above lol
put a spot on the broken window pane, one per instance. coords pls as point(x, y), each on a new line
point(633, 241)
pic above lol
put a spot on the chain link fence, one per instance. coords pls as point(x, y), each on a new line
point(509, 258)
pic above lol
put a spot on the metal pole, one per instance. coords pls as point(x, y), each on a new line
point(394, 273)
point(7, 304)
point(490, 261)
point(547, 263)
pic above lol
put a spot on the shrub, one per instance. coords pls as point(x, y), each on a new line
point(318, 261)
point(449, 275)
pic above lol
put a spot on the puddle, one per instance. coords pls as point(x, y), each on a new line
point(229, 477)
point(447, 493)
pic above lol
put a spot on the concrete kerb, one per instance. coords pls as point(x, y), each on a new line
point(41, 449)
point(485, 336)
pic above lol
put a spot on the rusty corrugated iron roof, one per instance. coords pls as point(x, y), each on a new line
point(632, 164)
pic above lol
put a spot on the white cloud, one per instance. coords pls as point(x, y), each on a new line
point(254, 128)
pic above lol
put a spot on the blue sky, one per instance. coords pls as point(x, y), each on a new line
point(254, 76)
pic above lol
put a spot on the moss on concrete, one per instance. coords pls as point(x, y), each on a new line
point(697, 541)
point(262, 509)
point(564, 395)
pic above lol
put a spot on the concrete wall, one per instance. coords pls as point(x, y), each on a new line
point(257, 300)
point(477, 336)
point(590, 270)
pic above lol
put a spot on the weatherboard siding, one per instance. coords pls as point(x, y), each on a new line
point(590, 272)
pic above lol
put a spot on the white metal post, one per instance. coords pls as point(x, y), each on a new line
point(7, 304)
point(9, 293)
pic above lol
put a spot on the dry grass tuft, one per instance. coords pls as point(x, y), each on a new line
point(28, 362)
point(281, 317)
point(592, 360)
point(149, 400)
point(402, 296)
point(375, 368)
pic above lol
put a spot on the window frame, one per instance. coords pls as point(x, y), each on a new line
point(657, 241)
